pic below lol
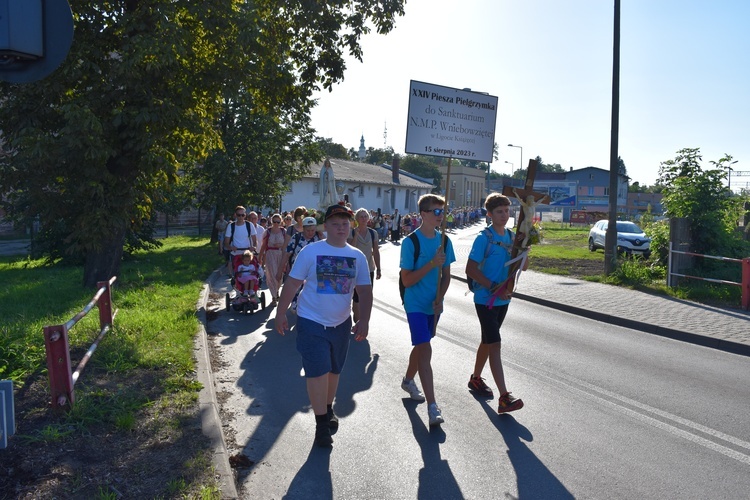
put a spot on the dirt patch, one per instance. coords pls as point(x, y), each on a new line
point(575, 268)
point(159, 452)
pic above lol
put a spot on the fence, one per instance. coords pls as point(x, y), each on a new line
point(745, 263)
point(61, 379)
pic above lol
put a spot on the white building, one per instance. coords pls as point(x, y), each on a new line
point(373, 187)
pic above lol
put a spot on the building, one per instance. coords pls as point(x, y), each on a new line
point(640, 203)
point(384, 187)
point(468, 186)
point(362, 153)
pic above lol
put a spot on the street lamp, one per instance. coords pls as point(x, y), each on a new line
point(511, 167)
point(521, 148)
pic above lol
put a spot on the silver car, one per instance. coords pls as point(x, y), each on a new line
point(631, 240)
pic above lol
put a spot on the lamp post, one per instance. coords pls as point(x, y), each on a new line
point(521, 148)
point(512, 165)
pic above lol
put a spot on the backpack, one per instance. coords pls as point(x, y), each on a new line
point(415, 241)
point(490, 241)
point(247, 226)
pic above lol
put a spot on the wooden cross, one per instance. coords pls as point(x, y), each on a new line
point(523, 197)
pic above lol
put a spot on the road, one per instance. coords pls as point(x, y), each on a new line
point(610, 412)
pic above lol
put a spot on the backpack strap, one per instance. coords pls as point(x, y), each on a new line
point(247, 226)
point(415, 241)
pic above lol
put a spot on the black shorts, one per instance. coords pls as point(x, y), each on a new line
point(491, 320)
point(355, 299)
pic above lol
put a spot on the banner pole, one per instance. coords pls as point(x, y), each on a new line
point(443, 234)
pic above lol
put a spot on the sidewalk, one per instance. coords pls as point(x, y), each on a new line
point(718, 328)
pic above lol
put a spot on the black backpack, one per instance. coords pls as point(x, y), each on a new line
point(247, 226)
point(415, 241)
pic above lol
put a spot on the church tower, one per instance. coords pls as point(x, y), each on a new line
point(362, 151)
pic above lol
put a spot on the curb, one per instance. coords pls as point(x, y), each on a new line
point(691, 338)
point(209, 408)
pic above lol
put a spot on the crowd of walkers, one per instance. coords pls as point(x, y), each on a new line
point(323, 267)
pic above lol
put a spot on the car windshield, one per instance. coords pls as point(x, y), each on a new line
point(628, 227)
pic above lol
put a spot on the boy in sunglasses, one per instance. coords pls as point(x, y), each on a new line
point(423, 298)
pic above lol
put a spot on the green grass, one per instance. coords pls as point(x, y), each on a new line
point(156, 294)
point(568, 244)
point(564, 243)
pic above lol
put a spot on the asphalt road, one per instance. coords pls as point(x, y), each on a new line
point(610, 412)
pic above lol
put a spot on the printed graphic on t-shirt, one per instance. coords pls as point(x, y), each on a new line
point(335, 274)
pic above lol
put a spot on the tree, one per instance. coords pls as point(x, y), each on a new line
point(146, 89)
point(421, 166)
point(621, 169)
point(700, 196)
point(331, 149)
point(379, 156)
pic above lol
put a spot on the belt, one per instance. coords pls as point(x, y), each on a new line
point(273, 248)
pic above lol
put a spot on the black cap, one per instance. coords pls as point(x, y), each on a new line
point(339, 210)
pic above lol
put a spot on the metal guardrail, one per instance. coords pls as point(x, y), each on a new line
point(745, 271)
point(61, 378)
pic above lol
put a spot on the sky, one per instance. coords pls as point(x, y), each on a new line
point(684, 79)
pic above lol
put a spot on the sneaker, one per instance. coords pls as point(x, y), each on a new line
point(477, 385)
point(323, 437)
point(508, 403)
point(436, 418)
point(412, 389)
point(333, 421)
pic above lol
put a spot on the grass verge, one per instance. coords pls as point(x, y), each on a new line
point(141, 379)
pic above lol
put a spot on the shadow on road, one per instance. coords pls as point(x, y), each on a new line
point(272, 381)
point(534, 479)
point(436, 478)
point(313, 480)
point(357, 376)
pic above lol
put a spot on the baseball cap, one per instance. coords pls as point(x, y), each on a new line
point(339, 210)
point(309, 221)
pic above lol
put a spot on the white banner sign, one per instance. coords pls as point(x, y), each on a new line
point(449, 122)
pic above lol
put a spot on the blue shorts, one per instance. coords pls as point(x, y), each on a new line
point(420, 326)
point(323, 349)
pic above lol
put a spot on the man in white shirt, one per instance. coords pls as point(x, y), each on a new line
point(240, 236)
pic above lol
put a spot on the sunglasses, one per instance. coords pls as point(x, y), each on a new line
point(240, 215)
point(277, 222)
point(437, 211)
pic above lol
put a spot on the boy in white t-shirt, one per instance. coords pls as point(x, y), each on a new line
point(332, 270)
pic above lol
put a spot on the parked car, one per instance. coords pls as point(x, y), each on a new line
point(631, 240)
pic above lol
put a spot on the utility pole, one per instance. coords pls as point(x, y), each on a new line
point(610, 240)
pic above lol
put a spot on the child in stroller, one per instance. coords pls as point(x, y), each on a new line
point(246, 282)
point(246, 275)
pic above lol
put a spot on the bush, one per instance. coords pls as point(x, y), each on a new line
point(636, 273)
point(658, 231)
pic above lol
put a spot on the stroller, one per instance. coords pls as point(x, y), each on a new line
point(240, 300)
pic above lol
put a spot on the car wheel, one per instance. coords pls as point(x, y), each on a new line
point(592, 247)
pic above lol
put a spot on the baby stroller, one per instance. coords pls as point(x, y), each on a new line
point(241, 300)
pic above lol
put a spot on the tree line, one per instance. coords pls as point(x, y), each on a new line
point(166, 100)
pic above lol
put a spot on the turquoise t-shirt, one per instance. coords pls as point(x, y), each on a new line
point(494, 266)
point(420, 296)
